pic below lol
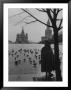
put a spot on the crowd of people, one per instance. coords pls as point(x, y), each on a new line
point(32, 56)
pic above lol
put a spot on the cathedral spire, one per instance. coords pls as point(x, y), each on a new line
point(48, 23)
point(22, 31)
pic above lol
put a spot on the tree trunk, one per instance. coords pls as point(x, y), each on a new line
point(56, 54)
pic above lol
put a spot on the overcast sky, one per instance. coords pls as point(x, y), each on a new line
point(16, 23)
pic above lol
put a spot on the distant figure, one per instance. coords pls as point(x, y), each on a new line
point(47, 59)
point(16, 63)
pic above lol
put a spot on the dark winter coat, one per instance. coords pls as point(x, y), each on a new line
point(47, 59)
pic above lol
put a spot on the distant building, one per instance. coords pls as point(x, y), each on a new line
point(48, 33)
point(10, 42)
point(22, 37)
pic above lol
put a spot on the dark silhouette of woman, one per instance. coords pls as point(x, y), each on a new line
point(47, 59)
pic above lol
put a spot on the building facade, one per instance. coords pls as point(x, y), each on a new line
point(22, 37)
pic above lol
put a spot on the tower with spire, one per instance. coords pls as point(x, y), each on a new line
point(22, 37)
point(22, 33)
point(48, 32)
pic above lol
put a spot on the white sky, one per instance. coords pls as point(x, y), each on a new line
point(35, 30)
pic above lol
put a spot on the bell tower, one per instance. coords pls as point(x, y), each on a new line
point(48, 31)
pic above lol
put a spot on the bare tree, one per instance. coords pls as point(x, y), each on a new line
point(53, 16)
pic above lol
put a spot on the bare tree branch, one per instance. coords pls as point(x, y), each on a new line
point(48, 11)
point(39, 10)
point(30, 22)
point(36, 18)
point(22, 20)
point(60, 27)
point(58, 10)
point(60, 22)
point(52, 11)
point(16, 14)
point(49, 15)
point(54, 19)
point(42, 10)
